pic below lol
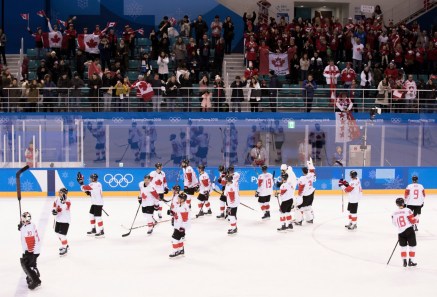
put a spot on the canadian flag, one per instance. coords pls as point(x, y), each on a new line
point(346, 128)
point(140, 31)
point(41, 13)
point(25, 16)
point(61, 22)
point(278, 63)
point(52, 39)
point(89, 43)
point(144, 90)
point(111, 24)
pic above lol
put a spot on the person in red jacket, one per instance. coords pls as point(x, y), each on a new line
point(348, 75)
point(71, 35)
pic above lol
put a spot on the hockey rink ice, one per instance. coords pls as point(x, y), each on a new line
point(320, 259)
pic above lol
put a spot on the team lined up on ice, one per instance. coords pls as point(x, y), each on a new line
point(154, 187)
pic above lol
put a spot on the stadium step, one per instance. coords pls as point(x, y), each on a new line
point(14, 68)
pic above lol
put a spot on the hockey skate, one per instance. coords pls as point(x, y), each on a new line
point(405, 263)
point(182, 252)
point(63, 247)
point(35, 284)
point(200, 214)
point(99, 235)
point(415, 228)
point(266, 215)
point(221, 216)
point(63, 251)
point(232, 231)
point(175, 254)
point(159, 216)
point(150, 231)
point(282, 228)
point(298, 223)
point(348, 225)
point(92, 232)
point(290, 226)
point(410, 263)
point(209, 212)
point(352, 227)
point(310, 222)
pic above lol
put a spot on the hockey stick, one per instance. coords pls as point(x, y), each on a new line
point(18, 181)
point(240, 202)
point(130, 230)
point(342, 196)
point(276, 192)
point(397, 242)
point(127, 147)
point(105, 212)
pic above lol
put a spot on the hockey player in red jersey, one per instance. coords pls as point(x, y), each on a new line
point(204, 190)
point(232, 200)
point(264, 191)
point(285, 196)
point(159, 181)
point(61, 211)
point(180, 224)
point(222, 181)
point(191, 184)
point(403, 219)
point(94, 190)
point(31, 249)
point(354, 191)
point(305, 194)
point(149, 200)
point(414, 198)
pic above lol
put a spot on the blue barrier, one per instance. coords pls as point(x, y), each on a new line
point(127, 179)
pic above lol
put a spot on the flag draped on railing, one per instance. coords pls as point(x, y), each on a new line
point(346, 128)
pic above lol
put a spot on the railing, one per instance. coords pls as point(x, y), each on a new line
point(404, 9)
point(189, 99)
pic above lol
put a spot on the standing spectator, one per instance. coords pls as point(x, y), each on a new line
point(382, 98)
point(158, 86)
point(366, 78)
point(39, 46)
point(264, 52)
point(252, 51)
point(186, 91)
point(171, 88)
point(95, 83)
point(107, 89)
point(237, 95)
point(258, 154)
point(357, 53)
point(129, 40)
point(49, 93)
point(219, 54)
point(204, 50)
point(294, 69)
point(80, 60)
point(348, 74)
point(112, 41)
point(429, 97)
point(105, 52)
point(216, 29)
point(206, 101)
point(316, 68)
point(398, 99)
point(309, 86)
point(163, 26)
point(343, 103)
point(145, 66)
point(3, 41)
point(71, 35)
point(163, 61)
point(180, 52)
point(228, 34)
point(122, 53)
point(185, 27)
point(274, 86)
point(200, 28)
point(254, 94)
point(304, 64)
point(411, 92)
point(219, 97)
point(64, 85)
point(317, 140)
point(122, 88)
point(249, 21)
point(32, 95)
point(14, 96)
point(431, 55)
point(76, 93)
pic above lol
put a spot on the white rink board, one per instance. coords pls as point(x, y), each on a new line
point(323, 259)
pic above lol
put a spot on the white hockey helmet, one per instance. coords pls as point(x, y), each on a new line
point(26, 217)
point(284, 167)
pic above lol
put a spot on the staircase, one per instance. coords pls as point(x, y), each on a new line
point(233, 65)
point(13, 61)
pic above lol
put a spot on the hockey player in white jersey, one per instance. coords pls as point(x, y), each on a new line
point(403, 219)
point(94, 190)
point(414, 198)
point(149, 200)
point(31, 245)
point(264, 191)
point(292, 179)
point(222, 181)
point(235, 176)
point(232, 200)
point(354, 191)
point(180, 213)
point(61, 211)
point(191, 183)
point(159, 181)
point(304, 200)
point(204, 190)
point(285, 196)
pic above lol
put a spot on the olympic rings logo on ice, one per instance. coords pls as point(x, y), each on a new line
point(287, 120)
point(174, 120)
point(3, 120)
point(117, 120)
point(118, 180)
point(231, 120)
point(395, 120)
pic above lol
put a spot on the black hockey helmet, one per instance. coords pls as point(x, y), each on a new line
point(221, 168)
point(229, 178)
point(183, 196)
point(158, 165)
point(63, 194)
point(284, 176)
point(304, 170)
point(201, 167)
point(231, 168)
point(63, 190)
point(415, 179)
point(264, 168)
point(185, 161)
point(176, 188)
point(147, 176)
point(353, 174)
point(94, 177)
point(400, 201)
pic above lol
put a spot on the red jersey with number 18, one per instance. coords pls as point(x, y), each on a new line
point(403, 219)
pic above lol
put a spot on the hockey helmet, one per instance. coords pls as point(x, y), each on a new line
point(415, 179)
point(63, 194)
point(304, 170)
point(231, 168)
point(400, 201)
point(185, 161)
point(264, 168)
point(26, 217)
point(158, 165)
point(182, 196)
point(229, 178)
point(201, 167)
point(94, 177)
point(284, 176)
point(353, 174)
point(176, 188)
point(147, 176)
point(284, 167)
point(221, 168)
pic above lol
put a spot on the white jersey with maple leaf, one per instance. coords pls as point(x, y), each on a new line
point(286, 192)
point(30, 239)
point(190, 178)
point(204, 183)
point(232, 195)
point(158, 180)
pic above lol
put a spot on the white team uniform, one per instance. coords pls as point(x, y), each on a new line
point(414, 194)
point(236, 180)
point(95, 188)
point(205, 188)
point(233, 200)
point(286, 195)
point(30, 239)
point(149, 198)
point(63, 210)
point(305, 197)
point(286, 192)
point(265, 184)
point(292, 179)
point(180, 223)
point(190, 182)
point(159, 181)
point(403, 219)
point(354, 192)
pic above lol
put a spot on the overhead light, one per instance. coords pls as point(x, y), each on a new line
point(324, 6)
point(301, 6)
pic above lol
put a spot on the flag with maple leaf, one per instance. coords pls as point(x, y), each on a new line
point(140, 31)
point(61, 22)
point(279, 63)
point(89, 43)
point(346, 128)
point(24, 16)
point(41, 13)
point(52, 39)
point(144, 90)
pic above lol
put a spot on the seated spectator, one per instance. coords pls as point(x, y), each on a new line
point(237, 95)
point(343, 103)
point(206, 101)
point(163, 61)
point(383, 97)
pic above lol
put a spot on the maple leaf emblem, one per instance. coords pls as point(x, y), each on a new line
point(55, 39)
point(91, 43)
point(278, 62)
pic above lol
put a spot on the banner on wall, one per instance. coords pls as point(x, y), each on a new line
point(279, 63)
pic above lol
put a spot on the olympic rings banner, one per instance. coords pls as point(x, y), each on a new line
point(120, 180)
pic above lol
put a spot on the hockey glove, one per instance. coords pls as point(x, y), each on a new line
point(278, 183)
point(182, 230)
point(88, 193)
point(170, 212)
point(156, 207)
point(79, 178)
point(54, 212)
point(165, 190)
point(19, 226)
point(140, 199)
point(196, 188)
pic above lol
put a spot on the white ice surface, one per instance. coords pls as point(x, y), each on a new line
point(323, 259)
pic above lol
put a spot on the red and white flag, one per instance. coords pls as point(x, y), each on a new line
point(52, 39)
point(61, 22)
point(25, 16)
point(346, 128)
point(144, 90)
point(278, 63)
point(172, 21)
point(89, 43)
point(140, 31)
point(41, 13)
point(111, 24)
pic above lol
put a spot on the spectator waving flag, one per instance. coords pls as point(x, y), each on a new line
point(140, 31)
point(61, 22)
point(52, 39)
point(41, 13)
point(24, 16)
point(278, 63)
point(144, 90)
point(89, 43)
point(346, 128)
point(111, 24)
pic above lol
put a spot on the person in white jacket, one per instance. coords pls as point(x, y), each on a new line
point(162, 62)
point(254, 94)
point(411, 88)
point(366, 80)
point(357, 53)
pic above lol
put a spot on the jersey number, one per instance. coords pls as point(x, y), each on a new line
point(268, 183)
point(416, 194)
point(401, 222)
